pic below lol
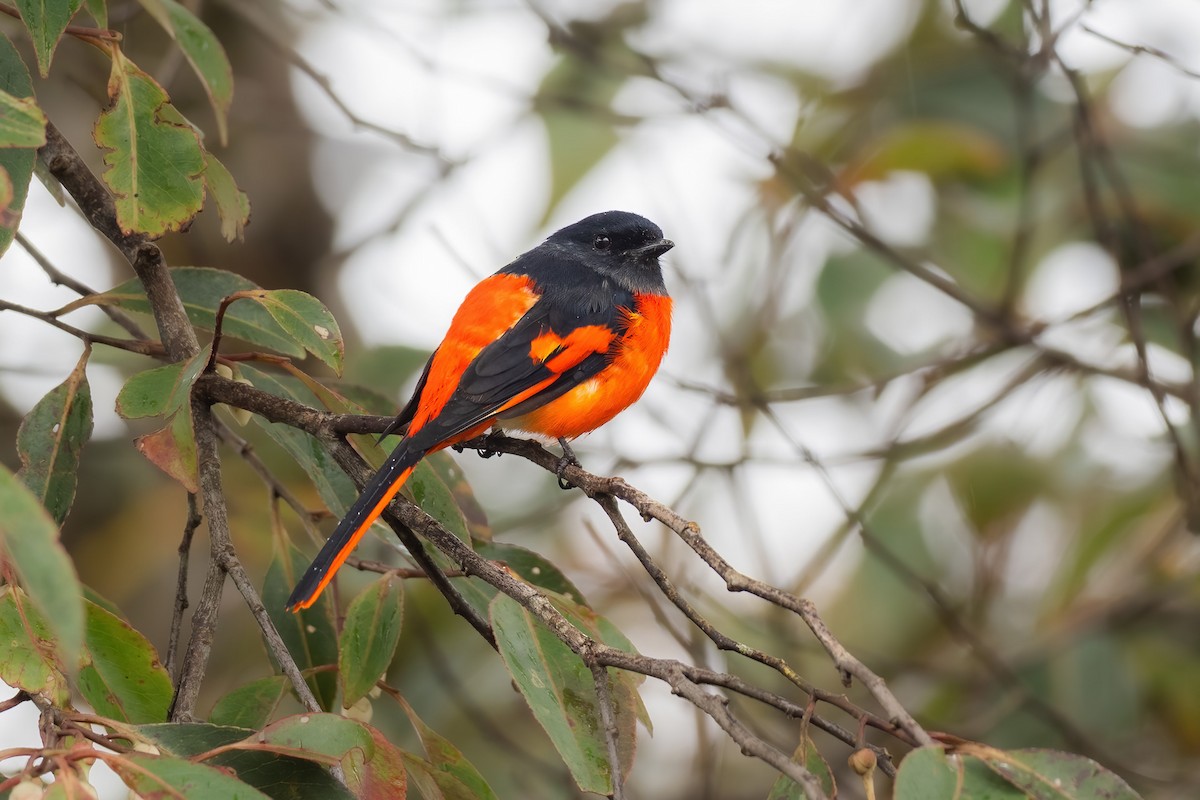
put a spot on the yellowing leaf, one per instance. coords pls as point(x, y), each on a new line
point(22, 123)
point(232, 204)
point(154, 160)
point(938, 148)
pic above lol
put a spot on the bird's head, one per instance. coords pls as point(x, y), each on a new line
point(619, 245)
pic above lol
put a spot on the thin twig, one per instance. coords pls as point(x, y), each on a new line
point(181, 598)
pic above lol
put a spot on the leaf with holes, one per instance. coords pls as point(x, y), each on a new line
point(307, 321)
point(50, 439)
point(201, 289)
point(154, 161)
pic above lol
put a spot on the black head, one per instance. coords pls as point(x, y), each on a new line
point(619, 245)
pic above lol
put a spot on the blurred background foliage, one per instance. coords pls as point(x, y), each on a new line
point(934, 363)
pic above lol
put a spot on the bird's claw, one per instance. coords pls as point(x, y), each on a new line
point(567, 459)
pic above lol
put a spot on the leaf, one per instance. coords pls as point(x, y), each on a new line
point(233, 205)
point(166, 391)
point(46, 20)
point(928, 774)
point(27, 653)
point(51, 437)
point(307, 321)
point(16, 162)
point(99, 11)
point(154, 160)
point(369, 637)
point(122, 677)
point(382, 776)
point(310, 634)
point(561, 693)
point(940, 149)
point(279, 776)
point(251, 705)
point(30, 541)
point(324, 738)
point(167, 778)
point(173, 449)
point(201, 289)
point(531, 567)
point(335, 487)
point(454, 775)
point(1054, 775)
point(811, 759)
point(203, 51)
point(22, 123)
point(430, 492)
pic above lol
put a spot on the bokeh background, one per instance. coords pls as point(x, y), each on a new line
point(933, 363)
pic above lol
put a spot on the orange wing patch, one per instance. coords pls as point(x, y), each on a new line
point(561, 353)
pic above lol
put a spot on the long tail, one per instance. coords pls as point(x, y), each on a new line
point(369, 505)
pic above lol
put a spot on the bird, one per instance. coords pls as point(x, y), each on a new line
point(556, 343)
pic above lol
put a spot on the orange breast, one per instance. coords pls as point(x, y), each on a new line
point(634, 360)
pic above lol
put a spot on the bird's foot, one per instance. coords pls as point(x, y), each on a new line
point(489, 448)
point(568, 459)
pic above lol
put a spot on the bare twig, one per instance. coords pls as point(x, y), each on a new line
point(181, 598)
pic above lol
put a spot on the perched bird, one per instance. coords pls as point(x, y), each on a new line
point(557, 343)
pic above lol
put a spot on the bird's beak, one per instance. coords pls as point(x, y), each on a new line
point(653, 250)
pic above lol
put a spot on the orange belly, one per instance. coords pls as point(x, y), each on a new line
point(634, 360)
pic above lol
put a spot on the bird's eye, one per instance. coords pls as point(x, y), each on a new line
point(602, 243)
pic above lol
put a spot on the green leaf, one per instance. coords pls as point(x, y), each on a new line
point(154, 160)
point(324, 738)
point(121, 677)
point(380, 777)
point(251, 705)
point(17, 163)
point(811, 759)
point(928, 774)
point(46, 20)
point(164, 777)
point(1054, 775)
point(233, 205)
point(203, 52)
point(99, 11)
point(22, 123)
point(369, 637)
point(30, 541)
point(307, 321)
point(50, 439)
point(335, 487)
point(453, 774)
point(28, 658)
point(160, 391)
point(310, 635)
point(531, 567)
point(201, 289)
point(430, 492)
point(561, 693)
point(281, 777)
